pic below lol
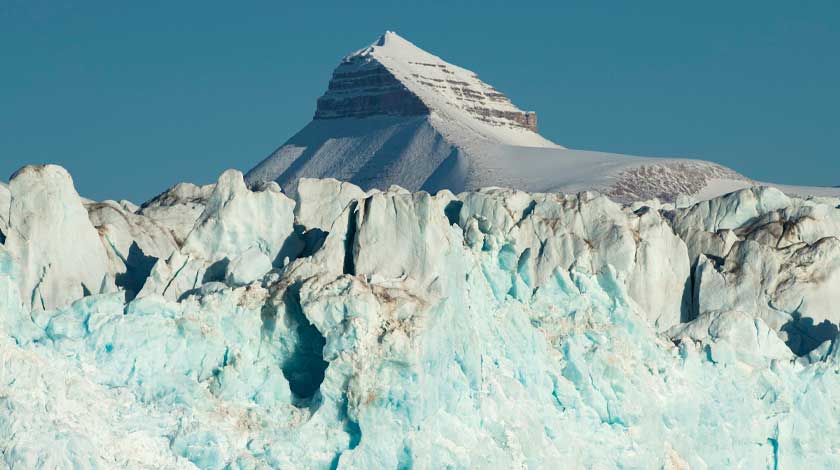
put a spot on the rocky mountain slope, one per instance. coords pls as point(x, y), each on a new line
point(347, 328)
point(395, 114)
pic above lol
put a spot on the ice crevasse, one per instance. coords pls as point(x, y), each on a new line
point(389, 329)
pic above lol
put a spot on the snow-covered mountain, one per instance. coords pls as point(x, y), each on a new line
point(395, 114)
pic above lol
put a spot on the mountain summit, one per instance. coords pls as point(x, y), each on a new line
point(396, 114)
point(394, 77)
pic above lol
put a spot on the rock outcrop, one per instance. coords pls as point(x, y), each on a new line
point(393, 77)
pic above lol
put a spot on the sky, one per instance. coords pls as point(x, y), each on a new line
point(133, 97)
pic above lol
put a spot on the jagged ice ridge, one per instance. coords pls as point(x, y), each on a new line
point(388, 329)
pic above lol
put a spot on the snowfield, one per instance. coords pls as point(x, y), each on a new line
point(346, 328)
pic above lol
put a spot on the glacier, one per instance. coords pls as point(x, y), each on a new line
point(234, 327)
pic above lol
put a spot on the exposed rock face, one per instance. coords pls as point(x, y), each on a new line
point(398, 81)
point(235, 221)
point(362, 87)
point(669, 179)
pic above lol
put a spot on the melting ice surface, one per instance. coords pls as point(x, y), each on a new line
point(494, 329)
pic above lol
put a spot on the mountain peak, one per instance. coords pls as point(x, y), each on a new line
point(391, 40)
point(394, 77)
point(387, 36)
point(394, 43)
point(396, 114)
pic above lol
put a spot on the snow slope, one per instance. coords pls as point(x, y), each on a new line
point(395, 114)
point(351, 330)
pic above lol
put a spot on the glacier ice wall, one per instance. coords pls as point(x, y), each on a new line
point(492, 329)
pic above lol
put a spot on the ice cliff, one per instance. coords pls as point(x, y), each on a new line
point(228, 327)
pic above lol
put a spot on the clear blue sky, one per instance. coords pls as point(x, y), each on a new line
point(132, 97)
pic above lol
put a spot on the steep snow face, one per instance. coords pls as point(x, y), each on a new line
point(374, 152)
point(395, 114)
point(492, 329)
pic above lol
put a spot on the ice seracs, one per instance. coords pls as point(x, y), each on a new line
point(495, 328)
point(534, 235)
point(251, 265)
point(677, 318)
point(132, 241)
point(235, 220)
point(760, 251)
point(320, 202)
point(5, 205)
point(52, 239)
point(178, 207)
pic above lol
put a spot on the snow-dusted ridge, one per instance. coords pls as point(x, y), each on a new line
point(347, 329)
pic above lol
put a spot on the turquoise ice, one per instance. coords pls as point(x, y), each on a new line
point(489, 330)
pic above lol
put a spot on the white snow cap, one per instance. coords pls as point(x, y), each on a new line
point(455, 94)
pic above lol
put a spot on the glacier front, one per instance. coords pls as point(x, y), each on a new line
point(228, 327)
